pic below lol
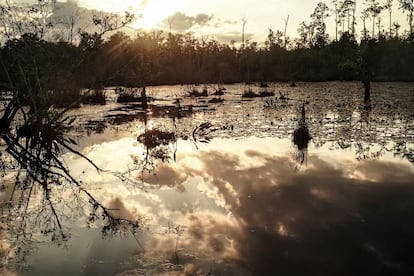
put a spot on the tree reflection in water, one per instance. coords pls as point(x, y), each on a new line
point(302, 137)
point(161, 145)
point(41, 190)
point(42, 193)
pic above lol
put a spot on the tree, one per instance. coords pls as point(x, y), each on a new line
point(337, 10)
point(304, 32)
point(388, 6)
point(374, 8)
point(274, 39)
point(353, 17)
point(408, 7)
point(319, 15)
point(364, 16)
point(366, 65)
point(348, 8)
point(16, 20)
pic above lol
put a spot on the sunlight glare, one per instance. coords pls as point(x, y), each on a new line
point(157, 10)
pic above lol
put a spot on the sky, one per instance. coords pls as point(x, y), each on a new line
point(222, 20)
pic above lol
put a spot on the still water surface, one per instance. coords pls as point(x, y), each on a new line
point(231, 193)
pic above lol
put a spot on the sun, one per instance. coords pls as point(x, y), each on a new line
point(149, 13)
point(155, 11)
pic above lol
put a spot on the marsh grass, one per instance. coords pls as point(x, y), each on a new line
point(249, 93)
point(94, 96)
point(64, 97)
point(194, 92)
point(129, 95)
point(264, 92)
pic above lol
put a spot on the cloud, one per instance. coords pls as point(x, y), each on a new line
point(119, 210)
point(230, 22)
point(181, 22)
point(166, 175)
point(233, 36)
point(144, 3)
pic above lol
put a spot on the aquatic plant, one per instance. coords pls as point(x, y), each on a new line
point(94, 96)
point(265, 93)
point(219, 91)
point(249, 93)
point(216, 100)
point(194, 92)
point(134, 94)
point(128, 95)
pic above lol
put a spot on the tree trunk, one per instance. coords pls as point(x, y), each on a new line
point(367, 94)
point(390, 24)
point(144, 98)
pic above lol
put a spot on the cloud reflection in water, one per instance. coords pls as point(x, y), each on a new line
point(245, 210)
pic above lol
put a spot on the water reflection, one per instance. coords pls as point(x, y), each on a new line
point(302, 137)
point(216, 191)
point(275, 220)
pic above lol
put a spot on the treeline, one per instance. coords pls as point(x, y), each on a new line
point(38, 69)
point(153, 59)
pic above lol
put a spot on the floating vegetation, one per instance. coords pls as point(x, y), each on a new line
point(265, 93)
point(283, 95)
point(249, 94)
point(155, 137)
point(216, 100)
point(219, 91)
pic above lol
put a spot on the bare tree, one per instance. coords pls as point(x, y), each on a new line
point(244, 21)
point(286, 25)
point(170, 21)
point(16, 20)
point(111, 22)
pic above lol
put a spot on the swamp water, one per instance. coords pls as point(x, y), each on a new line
point(222, 189)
